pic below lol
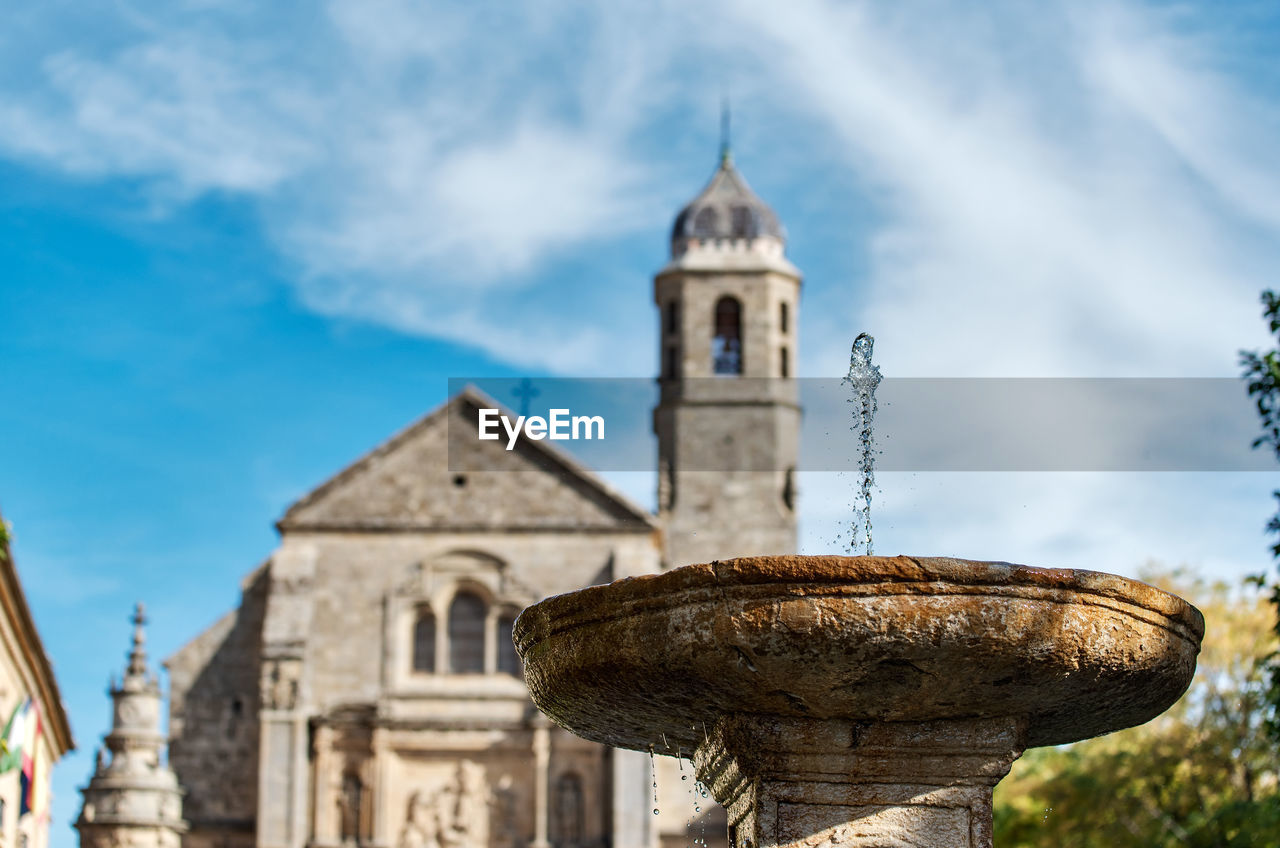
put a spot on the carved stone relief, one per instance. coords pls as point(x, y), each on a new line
point(455, 815)
point(280, 678)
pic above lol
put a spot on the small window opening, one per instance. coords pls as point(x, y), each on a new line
point(466, 634)
point(424, 642)
point(726, 344)
point(508, 659)
point(233, 724)
point(673, 317)
point(568, 811)
point(784, 317)
point(704, 223)
point(784, 364)
point(672, 369)
point(742, 222)
point(460, 480)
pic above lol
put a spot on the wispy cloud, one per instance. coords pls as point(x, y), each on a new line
point(1070, 189)
point(1059, 194)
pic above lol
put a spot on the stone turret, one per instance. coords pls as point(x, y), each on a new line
point(133, 799)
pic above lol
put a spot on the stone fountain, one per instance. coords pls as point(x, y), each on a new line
point(857, 701)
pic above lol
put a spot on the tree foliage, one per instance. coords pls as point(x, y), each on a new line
point(1262, 373)
point(1202, 775)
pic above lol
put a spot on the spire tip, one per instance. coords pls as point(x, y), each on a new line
point(726, 151)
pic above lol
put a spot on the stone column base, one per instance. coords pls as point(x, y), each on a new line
point(845, 784)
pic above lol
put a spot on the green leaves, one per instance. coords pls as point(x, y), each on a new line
point(1262, 372)
point(1203, 775)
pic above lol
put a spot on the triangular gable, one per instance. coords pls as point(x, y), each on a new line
point(405, 484)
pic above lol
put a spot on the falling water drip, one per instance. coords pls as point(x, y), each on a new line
point(653, 770)
point(863, 377)
point(700, 791)
point(688, 826)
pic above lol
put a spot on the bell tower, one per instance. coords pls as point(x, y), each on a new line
point(728, 416)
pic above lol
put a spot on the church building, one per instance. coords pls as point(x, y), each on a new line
point(366, 691)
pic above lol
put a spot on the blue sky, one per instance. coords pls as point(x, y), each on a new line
point(241, 243)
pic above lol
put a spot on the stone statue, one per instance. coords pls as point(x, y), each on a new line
point(422, 824)
point(467, 809)
point(280, 683)
point(350, 801)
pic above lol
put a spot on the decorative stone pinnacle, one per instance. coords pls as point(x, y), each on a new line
point(138, 656)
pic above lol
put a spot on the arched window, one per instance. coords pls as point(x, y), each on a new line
point(568, 810)
point(508, 659)
point(466, 634)
point(424, 641)
point(784, 362)
point(784, 317)
point(704, 223)
point(673, 316)
point(726, 344)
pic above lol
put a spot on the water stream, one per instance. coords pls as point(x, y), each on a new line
point(863, 377)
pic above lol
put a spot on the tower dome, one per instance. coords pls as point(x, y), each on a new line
point(726, 210)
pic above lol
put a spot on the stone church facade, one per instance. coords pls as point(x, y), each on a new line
point(366, 692)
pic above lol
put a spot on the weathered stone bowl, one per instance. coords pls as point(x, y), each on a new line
point(1073, 653)
point(866, 701)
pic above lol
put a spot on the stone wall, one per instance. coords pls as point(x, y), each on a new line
point(213, 723)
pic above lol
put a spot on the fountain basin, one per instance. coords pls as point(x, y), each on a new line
point(1074, 654)
point(865, 701)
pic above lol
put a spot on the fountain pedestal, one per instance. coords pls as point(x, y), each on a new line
point(805, 782)
point(857, 701)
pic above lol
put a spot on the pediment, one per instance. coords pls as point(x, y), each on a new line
point(406, 484)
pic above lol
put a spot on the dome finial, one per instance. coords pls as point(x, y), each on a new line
point(138, 656)
point(726, 153)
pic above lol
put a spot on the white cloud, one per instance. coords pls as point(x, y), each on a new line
point(1077, 189)
point(493, 208)
point(1035, 223)
point(1070, 189)
point(187, 112)
point(409, 160)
